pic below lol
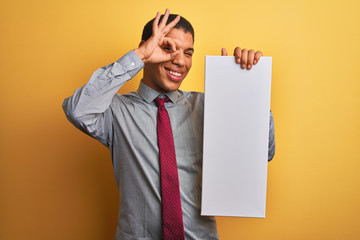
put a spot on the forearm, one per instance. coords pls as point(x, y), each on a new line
point(86, 109)
point(96, 95)
point(271, 151)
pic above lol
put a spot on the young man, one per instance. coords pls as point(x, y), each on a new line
point(156, 201)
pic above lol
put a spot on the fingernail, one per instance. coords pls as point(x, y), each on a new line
point(243, 66)
point(238, 60)
point(254, 61)
point(249, 66)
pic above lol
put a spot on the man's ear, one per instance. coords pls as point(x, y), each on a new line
point(141, 43)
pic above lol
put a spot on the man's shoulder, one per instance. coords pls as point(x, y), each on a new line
point(190, 93)
point(128, 95)
point(126, 98)
point(193, 97)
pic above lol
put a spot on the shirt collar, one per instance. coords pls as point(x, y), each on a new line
point(149, 94)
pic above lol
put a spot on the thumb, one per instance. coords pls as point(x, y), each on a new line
point(168, 56)
point(223, 52)
point(173, 54)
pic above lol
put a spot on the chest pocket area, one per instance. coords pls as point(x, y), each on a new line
point(188, 133)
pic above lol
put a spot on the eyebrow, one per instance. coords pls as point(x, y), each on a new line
point(190, 49)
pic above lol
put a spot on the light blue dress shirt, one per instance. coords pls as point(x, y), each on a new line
point(126, 124)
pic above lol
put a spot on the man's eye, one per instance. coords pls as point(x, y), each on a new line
point(189, 54)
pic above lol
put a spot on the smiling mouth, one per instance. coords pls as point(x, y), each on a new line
point(173, 73)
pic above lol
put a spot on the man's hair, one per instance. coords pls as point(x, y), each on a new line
point(183, 24)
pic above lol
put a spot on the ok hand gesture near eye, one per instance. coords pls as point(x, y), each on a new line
point(154, 49)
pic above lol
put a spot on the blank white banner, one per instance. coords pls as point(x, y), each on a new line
point(236, 137)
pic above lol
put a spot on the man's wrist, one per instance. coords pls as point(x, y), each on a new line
point(140, 54)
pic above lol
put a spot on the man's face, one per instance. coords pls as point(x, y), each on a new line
point(168, 76)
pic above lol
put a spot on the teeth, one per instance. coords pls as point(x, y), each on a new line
point(175, 73)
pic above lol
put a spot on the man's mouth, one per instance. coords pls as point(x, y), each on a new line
point(174, 75)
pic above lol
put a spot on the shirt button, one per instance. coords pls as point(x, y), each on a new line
point(132, 64)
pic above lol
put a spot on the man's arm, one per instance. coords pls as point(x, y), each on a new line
point(271, 151)
point(88, 110)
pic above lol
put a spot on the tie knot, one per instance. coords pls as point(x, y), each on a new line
point(160, 101)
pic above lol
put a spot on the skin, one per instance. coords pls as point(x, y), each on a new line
point(167, 55)
point(168, 76)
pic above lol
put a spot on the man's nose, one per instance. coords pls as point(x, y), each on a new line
point(179, 60)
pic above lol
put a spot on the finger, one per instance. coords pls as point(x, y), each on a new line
point(244, 57)
point(237, 54)
point(164, 19)
point(169, 42)
point(156, 22)
point(257, 57)
point(169, 56)
point(171, 25)
point(173, 54)
point(251, 55)
point(223, 52)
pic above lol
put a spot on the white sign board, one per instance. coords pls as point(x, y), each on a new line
point(236, 136)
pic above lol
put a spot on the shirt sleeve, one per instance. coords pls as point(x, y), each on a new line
point(271, 151)
point(88, 108)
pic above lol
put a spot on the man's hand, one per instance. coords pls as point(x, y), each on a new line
point(159, 48)
point(246, 58)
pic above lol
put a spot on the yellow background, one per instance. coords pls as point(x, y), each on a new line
point(57, 183)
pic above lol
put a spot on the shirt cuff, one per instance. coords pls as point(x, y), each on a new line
point(130, 63)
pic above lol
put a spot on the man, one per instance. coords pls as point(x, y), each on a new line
point(131, 126)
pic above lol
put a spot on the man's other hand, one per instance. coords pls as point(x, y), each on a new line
point(246, 58)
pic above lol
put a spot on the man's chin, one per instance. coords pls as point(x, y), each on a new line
point(171, 89)
point(167, 85)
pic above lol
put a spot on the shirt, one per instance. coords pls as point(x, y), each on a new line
point(126, 124)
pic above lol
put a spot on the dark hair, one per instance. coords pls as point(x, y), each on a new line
point(183, 24)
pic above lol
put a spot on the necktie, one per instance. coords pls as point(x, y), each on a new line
point(172, 222)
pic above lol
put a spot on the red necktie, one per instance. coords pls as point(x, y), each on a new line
point(172, 221)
